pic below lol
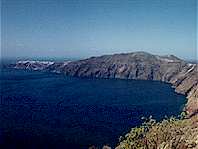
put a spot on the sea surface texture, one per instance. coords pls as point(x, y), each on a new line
point(47, 110)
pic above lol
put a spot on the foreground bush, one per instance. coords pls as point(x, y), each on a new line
point(169, 134)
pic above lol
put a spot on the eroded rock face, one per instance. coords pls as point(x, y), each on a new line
point(192, 105)
point(138, 65)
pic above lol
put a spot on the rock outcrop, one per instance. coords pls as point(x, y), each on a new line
point(138, 65)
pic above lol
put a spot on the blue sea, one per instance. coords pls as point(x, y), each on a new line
point(48, 110)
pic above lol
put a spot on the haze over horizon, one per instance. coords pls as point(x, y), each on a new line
point(79, 29)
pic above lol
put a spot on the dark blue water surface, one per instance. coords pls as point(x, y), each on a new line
point(45, 110)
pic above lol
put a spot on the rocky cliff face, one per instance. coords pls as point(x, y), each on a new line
point(138, 65)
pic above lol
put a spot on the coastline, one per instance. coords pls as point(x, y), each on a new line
point(182, 76)
point(188, 121)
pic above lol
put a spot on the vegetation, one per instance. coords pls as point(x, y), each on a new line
point(172, 133)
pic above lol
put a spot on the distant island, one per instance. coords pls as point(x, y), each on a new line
point(138, 65)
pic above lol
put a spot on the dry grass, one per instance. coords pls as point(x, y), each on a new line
point(169, 134)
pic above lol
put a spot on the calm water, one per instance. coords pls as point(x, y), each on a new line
point(54, 111)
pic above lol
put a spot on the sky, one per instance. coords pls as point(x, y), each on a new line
point(83, 28)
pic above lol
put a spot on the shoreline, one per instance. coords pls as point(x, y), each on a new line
point(149, 81)
point(181, 75)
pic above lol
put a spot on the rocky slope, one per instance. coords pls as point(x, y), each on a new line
point(138, 65)
point(168, 134)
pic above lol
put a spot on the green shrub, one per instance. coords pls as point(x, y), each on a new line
point(172, 133)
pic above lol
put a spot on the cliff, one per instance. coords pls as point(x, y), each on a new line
point(138, 65)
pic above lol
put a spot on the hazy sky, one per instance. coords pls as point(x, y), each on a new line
point(83, 28)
